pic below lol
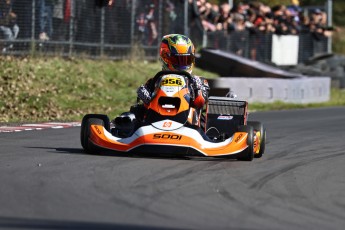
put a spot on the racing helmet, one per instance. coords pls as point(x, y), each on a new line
point(177, 53)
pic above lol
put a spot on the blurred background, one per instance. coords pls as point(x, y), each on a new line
point(121, 29)
point(50, 50)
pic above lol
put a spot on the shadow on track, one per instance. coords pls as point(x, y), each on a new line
point(25, 223)
point(109, 153)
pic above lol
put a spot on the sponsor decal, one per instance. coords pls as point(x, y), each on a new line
point(169, 89)
point(167, 124)
point(238, 138)
point(167, 136)
point(98, 131)
point(257, 140)
point(223, 117)
point(171, 82)
point(167, 106)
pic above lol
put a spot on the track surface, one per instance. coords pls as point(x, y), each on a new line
point(47, 182)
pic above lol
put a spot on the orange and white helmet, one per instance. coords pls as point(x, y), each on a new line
point(177, 53)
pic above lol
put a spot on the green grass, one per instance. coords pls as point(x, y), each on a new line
point(51, 89)
point(337, 99)
point(42, 89)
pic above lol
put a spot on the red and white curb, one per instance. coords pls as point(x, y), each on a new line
point(28, 127)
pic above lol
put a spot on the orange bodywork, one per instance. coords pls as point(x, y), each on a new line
point(238, 143)
point(154, 104)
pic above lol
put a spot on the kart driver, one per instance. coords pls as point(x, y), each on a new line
point(177, 53)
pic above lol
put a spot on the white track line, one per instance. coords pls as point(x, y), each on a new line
point(46, 125)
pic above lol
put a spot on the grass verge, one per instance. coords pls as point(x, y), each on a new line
point(45, 89)
point(337, 99)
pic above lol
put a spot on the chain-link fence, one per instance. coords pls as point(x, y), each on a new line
point(122, 29)
point(82, 27)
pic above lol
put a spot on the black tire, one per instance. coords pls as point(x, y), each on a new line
point(88, 120)
point(248, 153)
point(258, 126)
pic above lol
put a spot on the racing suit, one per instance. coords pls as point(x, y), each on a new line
point(199, 85)
point(127, 120)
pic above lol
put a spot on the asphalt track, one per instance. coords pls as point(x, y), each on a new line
point(47, 182)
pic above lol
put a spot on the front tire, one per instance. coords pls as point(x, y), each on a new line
point(248, 153)
point(88, 120)
point(258, 127)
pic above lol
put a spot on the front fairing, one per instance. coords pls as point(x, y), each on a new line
point(171, 100)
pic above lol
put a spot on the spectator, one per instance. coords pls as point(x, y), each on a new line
point(238, 23)
point(87, 21)
point(152, 28)
point(205, 10)
point(315, 25)
point(215, 14)
point(251, 16)
point(147, 30)
point(224, 14)
point(8, 23)
point(327, 31)
point(239, 38)
point(24, 18)
point(171, 16)
point(59, 21)
point(304, 23)
point(118, 20)
point(141, 26)
point(46, 8)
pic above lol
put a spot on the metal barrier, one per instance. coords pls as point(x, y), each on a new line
point(259, 46)
point(267, 90)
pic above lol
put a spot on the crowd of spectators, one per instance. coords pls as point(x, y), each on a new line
point(16, 19)
point(258, 17)
point(255, 16)
point(245, 27)
point(53, 19)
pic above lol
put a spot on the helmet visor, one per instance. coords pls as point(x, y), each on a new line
point(181, 61)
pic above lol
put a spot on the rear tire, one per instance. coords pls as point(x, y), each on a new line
point(248, 153)
point(258, 127)
point(88, 120)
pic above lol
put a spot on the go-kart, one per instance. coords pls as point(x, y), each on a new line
point(169, 125)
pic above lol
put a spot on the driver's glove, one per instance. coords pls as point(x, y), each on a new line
point(144, 94)
point(197, 83)
point(201, 86)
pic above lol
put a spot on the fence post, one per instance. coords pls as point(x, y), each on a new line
point(33, 22)
point(134, 3)
point(102, 31)
point(160, 25)
point(186, 28)
point(204, 39)
point(329, 9)
point(71, 28)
